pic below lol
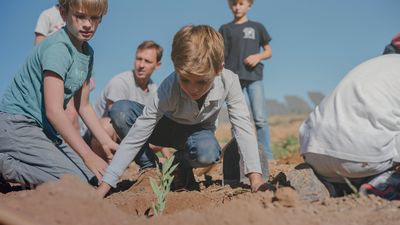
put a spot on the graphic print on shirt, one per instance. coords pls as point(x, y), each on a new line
point(249, 33)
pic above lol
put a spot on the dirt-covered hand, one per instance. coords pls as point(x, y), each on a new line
point(256, 181)
point(95, 164)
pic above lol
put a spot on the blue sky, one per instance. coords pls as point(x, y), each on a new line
point(314, 42)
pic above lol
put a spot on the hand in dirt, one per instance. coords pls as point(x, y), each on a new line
point(95, 164)
point(256, 181)
point(103, 189)
point(109, 149)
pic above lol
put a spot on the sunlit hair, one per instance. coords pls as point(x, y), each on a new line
point(231, 2)
point(198, 51)
point(91, 7)
point(149, 45)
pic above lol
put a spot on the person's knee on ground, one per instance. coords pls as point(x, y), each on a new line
point(202, 149)
point(123, 115)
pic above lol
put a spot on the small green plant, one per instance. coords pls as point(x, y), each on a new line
point(352, 187)
point(163, 188)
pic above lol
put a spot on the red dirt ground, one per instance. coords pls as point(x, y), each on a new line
point(71, 201)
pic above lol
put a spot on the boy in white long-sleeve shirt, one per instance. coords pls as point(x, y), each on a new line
point(184, 110)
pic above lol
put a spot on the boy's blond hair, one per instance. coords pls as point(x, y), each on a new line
point(198, 51)
point(231, 2)
point(92, 7)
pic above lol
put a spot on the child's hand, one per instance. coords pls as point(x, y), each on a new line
point(252, 60)
point(95, 164)
point(109, 149)
point(256, 181)
point(103, 189)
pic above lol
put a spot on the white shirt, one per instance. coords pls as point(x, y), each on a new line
point(123, 87)
point(360, 120)
point(172, 102)
point(49, 21)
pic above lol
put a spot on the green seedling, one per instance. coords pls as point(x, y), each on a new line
point(164, 187)
point(352, 187)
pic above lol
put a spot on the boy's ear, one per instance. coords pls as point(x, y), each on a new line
point(222, 66)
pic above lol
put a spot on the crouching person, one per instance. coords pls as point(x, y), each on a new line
point(354, 133)
point(183, 112)
point(38, 143)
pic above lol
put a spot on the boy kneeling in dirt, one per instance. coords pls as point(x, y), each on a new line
point(38, 143)
point(355, 132)
point(183, 112)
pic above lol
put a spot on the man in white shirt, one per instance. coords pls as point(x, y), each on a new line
point(134, 85)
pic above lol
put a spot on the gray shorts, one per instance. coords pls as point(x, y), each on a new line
point(28, 156)
point(333, 169)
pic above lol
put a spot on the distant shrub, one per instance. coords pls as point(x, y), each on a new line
point(286, 147)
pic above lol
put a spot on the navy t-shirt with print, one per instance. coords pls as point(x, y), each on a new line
point(242, 40)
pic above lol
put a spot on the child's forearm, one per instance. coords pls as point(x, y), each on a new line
point(64, 127)
point(103, 189)
point(92, 122)
point(266, 54)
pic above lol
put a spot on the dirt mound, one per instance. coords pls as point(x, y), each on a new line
point(71, 201)
point(67, 201)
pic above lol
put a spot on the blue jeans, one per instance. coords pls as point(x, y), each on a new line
point(255, 92)
point(195, 145)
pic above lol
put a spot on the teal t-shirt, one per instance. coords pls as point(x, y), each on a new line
point(57, 54)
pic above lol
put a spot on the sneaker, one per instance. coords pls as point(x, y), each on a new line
point(385, 185)
point(309, 187)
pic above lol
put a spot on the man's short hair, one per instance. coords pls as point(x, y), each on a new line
point(148, 44)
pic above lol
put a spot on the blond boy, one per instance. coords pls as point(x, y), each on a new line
point(38, 142)
point(184, 110)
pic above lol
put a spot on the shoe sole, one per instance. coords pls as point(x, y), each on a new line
point(303, 179)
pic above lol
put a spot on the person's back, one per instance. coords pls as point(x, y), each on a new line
point(352, 135)
point(361, 113)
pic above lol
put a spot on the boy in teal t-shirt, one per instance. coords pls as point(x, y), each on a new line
point(37, 141)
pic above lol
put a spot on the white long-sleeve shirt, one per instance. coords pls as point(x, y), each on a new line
point(172, 102)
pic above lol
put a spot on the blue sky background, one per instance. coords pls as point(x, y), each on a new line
point(314, 42)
